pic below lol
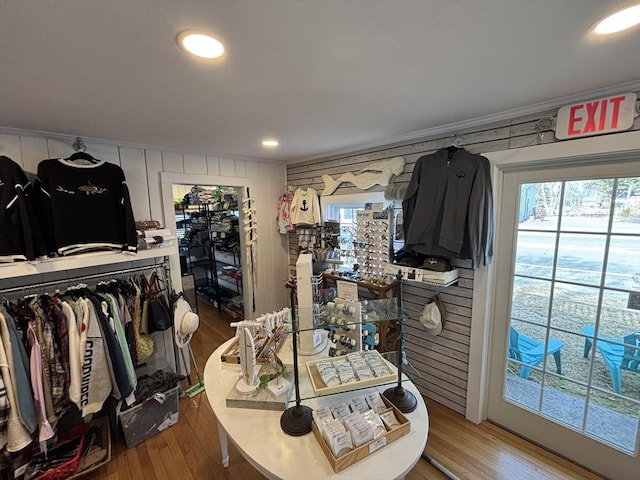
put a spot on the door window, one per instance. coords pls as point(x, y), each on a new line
point(573, 352)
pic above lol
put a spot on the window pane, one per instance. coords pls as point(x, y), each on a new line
point(539, 206)
point(573, 307)
point(580, 258)
point(613, 419)
point(531, 300)
point(626, 217)
point(564, 401)
point(586, 205)
point(534, 254)
point(623, 263)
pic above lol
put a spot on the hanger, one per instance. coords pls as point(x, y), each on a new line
point(80, 147)
point(82, 156)
point(454, 146)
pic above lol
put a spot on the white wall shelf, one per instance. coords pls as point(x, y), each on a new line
point(94, 259)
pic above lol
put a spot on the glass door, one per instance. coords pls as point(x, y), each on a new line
point(565, 365)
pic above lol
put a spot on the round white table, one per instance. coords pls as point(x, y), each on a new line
point(259, 438)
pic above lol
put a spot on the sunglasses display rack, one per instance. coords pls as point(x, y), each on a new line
point(372, 242)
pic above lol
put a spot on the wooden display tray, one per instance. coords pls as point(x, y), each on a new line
point(320, 388)
point(363, 451)
point(230, 355)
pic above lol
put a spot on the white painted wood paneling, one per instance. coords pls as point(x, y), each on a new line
point(213, 166)
point(101, 151)
point(172, 162)
point(132, 161)
point(10, 147)
point(195, 164)
point(227, 167)
point(154, 167)
point(59, 147)
point(34, 150)
point(241, 168)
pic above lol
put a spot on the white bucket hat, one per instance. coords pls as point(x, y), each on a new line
point(185, 322)
point(432, 317)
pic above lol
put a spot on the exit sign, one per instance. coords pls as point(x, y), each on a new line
point(605, 115)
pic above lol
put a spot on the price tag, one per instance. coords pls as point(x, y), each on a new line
point(377, 444)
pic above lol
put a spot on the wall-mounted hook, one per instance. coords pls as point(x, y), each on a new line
point(456, 140)
point(79, 145)
point(544, 125)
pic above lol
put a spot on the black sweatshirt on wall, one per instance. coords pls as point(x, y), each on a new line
point(85, 207)
point(448, 207)
point(20, 237)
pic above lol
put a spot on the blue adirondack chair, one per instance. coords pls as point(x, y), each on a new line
point(531, 352)
point(618, 353)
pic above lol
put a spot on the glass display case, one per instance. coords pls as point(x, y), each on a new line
point(350, 361)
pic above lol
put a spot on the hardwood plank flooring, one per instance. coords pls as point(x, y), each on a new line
point(190, 450)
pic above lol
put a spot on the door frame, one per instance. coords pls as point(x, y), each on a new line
point(167, 180)
point(624, 146)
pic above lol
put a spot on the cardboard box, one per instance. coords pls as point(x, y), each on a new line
point(154, 415)
point(363, 451)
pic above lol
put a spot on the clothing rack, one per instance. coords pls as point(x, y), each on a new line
point(81, 278)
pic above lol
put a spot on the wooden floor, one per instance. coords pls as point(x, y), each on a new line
point(190, 449)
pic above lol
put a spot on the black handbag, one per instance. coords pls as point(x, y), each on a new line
point(156, 315)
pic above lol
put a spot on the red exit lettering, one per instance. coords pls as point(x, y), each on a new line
point(595, 117)
point(594, 111)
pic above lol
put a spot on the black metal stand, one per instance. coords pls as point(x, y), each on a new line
point(296, 420)
point(401, 398)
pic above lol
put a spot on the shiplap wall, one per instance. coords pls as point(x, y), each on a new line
point(443, 361)
point(142, 168)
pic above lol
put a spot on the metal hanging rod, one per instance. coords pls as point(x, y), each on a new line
point(81, 278)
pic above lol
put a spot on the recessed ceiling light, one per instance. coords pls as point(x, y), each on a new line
point(619, 21)
point(270, 143)
point(200, 43)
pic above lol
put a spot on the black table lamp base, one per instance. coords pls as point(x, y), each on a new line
point(296, 420)
point(401, 398)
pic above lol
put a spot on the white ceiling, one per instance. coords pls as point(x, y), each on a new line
point(319, 75)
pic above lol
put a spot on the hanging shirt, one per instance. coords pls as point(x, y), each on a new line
point(20, 237)
point(4, 413)
point(85, 207)
point(110, 309)
point(305, 207)
point(283, 214)
point(75, 360)
point(448, 207)
point(17, 362)
point(45, 432)
point(17, 436)
point(97, 373)
point(121, 376)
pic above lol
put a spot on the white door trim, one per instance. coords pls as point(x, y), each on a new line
point(623, 145)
